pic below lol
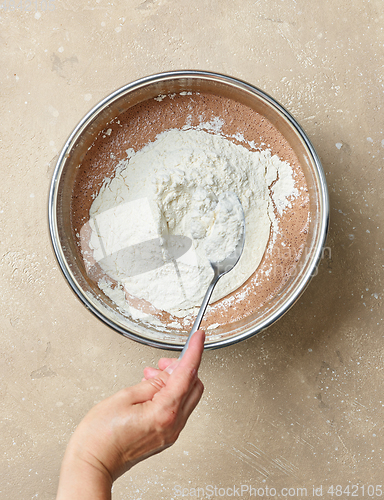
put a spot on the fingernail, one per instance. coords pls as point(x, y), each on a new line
point(170, 368)
point(204, 335)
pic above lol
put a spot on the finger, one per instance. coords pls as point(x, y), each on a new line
point(165, 362)
point(169, 369)
point(177, 387)
point(195, 349)
point(150, 372)
point(192, 357)
point(190, 404)
point(193, 398)
point(184, 374)
point(146, 389)
point(193, 353)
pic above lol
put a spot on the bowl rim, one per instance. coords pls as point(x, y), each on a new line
point(190, 74)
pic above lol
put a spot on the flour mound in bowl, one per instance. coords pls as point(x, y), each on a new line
point(171, 188)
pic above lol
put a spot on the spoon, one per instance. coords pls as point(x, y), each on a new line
point(219, 269)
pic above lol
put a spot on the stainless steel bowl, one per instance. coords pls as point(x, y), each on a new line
point(67, 251)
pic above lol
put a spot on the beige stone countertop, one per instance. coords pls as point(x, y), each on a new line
point(299, 406)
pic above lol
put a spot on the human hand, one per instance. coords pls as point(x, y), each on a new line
point(131, 425)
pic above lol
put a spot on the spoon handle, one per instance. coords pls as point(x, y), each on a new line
point(201, 312)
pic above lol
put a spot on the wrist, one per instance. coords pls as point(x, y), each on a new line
point(83, 478)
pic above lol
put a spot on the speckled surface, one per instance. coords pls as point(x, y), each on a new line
point(301, 405)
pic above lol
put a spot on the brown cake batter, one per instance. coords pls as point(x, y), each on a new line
point(140, 125)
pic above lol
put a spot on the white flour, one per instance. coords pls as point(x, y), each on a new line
point(174, 186)
point(224, 228)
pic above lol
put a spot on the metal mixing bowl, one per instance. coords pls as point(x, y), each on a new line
point(74, 150)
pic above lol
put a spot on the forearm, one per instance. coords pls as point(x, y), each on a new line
point(80, 480)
